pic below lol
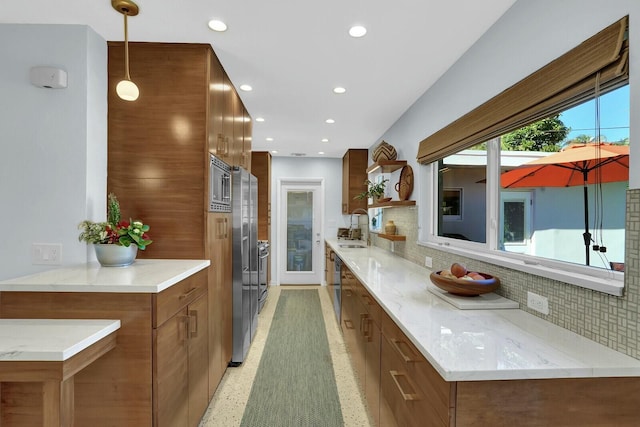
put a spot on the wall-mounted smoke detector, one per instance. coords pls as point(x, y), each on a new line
point(48, 77)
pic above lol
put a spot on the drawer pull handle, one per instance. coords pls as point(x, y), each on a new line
point(188, 293)
point(396, 344)
point(348, 324)
point(193, 323)
point(363, 318)
point(397, 376)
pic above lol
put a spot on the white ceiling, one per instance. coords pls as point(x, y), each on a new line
point(294, 52)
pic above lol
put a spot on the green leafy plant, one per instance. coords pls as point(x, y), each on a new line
point(375, 190)
point(115, 231)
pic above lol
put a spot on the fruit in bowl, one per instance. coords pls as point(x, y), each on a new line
point(459, 281)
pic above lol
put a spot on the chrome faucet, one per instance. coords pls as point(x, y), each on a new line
point(366, 212)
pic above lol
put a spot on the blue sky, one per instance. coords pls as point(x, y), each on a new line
point(614, 116)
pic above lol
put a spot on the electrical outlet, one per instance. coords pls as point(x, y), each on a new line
point(46, 253)
point(428, 261)
point(538, 303)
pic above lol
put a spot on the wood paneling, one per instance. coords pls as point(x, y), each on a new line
point(116, 387)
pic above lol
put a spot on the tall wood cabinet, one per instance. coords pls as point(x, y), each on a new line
point(354, 175)
point(158, 163)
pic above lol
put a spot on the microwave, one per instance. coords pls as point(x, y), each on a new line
point(219, 185)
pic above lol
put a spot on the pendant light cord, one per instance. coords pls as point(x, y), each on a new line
point(126, 48)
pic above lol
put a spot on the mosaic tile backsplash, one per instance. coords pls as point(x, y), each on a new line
point(607, 319)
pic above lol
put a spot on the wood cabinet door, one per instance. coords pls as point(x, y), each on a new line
point(371, 339)
point(354, 174)
point(219, 332)
point(217, 143)
point(171, 379)
point(198, 359)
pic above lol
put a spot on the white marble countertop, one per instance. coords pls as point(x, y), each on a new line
point(472, 345)
point(50, 340)
point(143, 276)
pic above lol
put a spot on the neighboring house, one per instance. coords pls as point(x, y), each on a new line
point(547, 221)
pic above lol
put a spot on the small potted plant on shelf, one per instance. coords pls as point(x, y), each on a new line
point(375, 190)
point(116, 242)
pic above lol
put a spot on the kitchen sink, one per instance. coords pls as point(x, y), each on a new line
point(351, 246)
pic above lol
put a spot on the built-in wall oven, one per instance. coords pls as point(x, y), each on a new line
point(219, 185)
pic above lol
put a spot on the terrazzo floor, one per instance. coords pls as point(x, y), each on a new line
point(228, 403)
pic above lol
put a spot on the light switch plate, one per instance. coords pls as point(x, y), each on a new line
point(46, 253)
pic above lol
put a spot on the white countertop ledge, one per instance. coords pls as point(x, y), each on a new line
point(477, 345)
point(50, 340)
point(143, 276)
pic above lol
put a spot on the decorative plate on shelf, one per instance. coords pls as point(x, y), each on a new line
point(404, 187)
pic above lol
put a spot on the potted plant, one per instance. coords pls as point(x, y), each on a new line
point(375, 190)
point(116, 242)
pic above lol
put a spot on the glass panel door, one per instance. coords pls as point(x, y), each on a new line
point(299, 230)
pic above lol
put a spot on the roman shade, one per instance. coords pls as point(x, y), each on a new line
point(561, 84)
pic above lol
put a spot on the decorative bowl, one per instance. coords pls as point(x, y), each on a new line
point(467, 288)
point(383, 200)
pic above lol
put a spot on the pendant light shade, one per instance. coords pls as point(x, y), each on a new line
point(126, 89)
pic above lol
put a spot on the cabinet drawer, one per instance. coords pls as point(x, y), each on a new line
point(370, 304)
point(432, 394)
point(171, 300)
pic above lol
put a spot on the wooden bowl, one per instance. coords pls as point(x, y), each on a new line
point(467, 288)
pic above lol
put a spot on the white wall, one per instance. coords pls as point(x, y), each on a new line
point(53, 142)
point(528, 36)
point(330, 169)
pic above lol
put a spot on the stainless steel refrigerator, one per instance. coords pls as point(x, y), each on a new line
point(244, 188)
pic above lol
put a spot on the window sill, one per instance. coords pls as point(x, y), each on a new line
point(613, 284)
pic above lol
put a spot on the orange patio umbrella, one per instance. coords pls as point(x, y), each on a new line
point(578, 164)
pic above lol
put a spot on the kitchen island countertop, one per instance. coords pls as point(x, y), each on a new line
point(143, 276)
point(474, 345)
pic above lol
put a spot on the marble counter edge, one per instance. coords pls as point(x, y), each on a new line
point(480, 375)
point(90, 330)
point(30, 283)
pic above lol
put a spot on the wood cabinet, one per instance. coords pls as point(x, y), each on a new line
point(411, 389)
point(181, 366)
point(158, 163)
point(261, 164)
point(130, 384)
point(220, 332)
point(354, 175)
point(329, 268)
point(361, 331)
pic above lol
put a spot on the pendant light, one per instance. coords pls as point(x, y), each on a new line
point(126, 89)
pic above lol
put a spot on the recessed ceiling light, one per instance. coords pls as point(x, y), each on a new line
point(357, 31)
point(339, 90)
point(330, 121)
point(217, 25)
point(325, 139)
point(320, 152)
point(274, 151)
point(260, 119)
point(269, 139)
point(246, 88)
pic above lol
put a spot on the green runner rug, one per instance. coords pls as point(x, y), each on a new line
point(295, 383)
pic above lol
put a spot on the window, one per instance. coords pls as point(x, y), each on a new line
point(526, 120)
point(539, 216)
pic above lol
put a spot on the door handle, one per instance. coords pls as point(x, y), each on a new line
point(193, 323)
